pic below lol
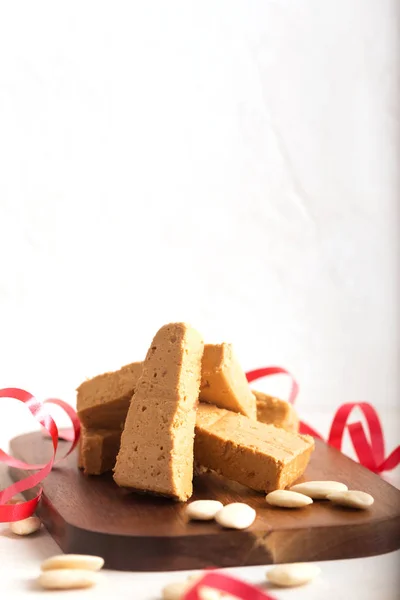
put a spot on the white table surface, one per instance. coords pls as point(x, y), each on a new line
point(373, 578)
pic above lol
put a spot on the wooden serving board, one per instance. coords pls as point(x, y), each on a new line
point(146, 533)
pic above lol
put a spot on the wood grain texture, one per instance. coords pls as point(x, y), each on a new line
point(145, 533)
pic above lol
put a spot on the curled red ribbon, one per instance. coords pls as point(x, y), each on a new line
point(16, 512)
point(371, 454)
point(230, 585)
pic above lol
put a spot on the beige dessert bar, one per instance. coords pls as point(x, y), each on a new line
point(156, 453)
point(223, 381)
point(262, 457)
point(103, 401)
point(274, 411)
point(98, 450)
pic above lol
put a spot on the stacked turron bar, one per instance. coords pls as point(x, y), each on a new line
point(187, 404)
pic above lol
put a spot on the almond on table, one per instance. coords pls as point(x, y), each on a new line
point(67, 579)
point(203, 510)
point(318, 490)
point(287, 499)
point(175, 590)
point(293, 574)
point(87, 562)
point(26, 526)
point(352, 499)
point(236, 515)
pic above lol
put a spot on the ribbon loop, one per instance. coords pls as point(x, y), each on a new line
point(16, 512)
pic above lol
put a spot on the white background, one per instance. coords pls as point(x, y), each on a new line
point(233, 164)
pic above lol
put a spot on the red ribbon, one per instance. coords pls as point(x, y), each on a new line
point(371, 454)
point(227, 584)
point(16, 512)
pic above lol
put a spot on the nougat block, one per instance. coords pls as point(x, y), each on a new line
point(98, 449)
point(156, 453)
point(276, 412)
point(223, 381)
point(262, 457)
point(103, 401)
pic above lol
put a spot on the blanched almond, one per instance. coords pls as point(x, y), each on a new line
point(287, 499)
point(175, 590)
point(26, 526)
point(236, 516)
point(318, 490)
point(67, 579)
point(203, 510)
point(293, 574)
point(73, 561)
point(352, 499)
